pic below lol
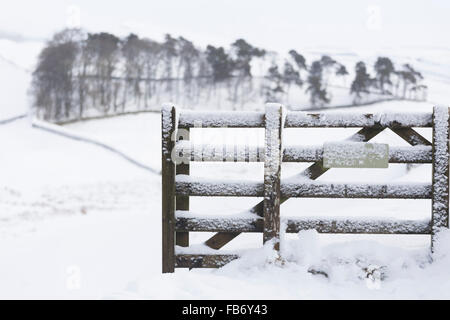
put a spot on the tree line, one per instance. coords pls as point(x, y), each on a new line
point(403, 83)
point(80, 74)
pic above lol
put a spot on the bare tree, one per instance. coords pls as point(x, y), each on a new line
point(53, 84)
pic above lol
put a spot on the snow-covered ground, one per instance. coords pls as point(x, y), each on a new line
point(79, 221)
point(17, 61)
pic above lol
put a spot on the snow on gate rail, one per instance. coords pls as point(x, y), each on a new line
point(177, 185)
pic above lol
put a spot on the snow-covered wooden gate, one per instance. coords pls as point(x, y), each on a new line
point(176, 190)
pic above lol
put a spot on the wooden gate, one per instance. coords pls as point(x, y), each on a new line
point(177, 185)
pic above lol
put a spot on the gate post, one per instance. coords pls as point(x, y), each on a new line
point(168, 131)
point(182, 202)
point(440, 189)
point(272, 171)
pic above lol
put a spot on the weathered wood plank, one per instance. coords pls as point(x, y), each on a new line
point(355, 120)
point(299, 119)
point(313, 172)
point(272, 174)
point(217, 153)
point(296, 224)
point(220, 153)
point(182, 202)
point(219, 189)
point(356, 190)
point(220, 119)
point(220, 239)
point(411, 136)
point(418, 154)
point(212, 224)
point(204, 260)
point(440, 197)
point(359, 226)
point(306, 190)
point(168, 125)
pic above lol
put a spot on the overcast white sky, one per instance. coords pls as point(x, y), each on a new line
point(277, 24)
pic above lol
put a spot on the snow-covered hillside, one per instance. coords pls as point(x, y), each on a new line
point(17, 61)
point(80, 221)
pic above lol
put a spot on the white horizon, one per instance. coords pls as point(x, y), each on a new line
point(277, 26)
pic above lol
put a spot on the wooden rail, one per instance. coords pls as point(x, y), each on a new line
point(192, 223)
point(299, 119)
point(245, 153)
point(305, 190)
point(178, 186)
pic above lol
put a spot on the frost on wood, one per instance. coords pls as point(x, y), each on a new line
point(185, 185)
point(306, 188)
point(440, 201)
point(200, 223)
point(204, 260)
point(187, 151)
point(272, 171)
point(235, 119)
point(297, 119)
point(416, 119)
point(189, 222)
point(302, 188)
point(273, 147)
point(213, 153)
point(167, 129)
point(342, 119)
point(414, 154)
point(302, 153)
point(358, 225)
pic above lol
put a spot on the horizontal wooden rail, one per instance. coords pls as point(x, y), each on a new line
point(418, 154)
point(233, 119)
point(203, 260)
point(355, 120)
point(216, 224)
point(219, 153)
point(299, 119)
point(305, 190)
point(361, 226)
point(219, 189)
point(294, 225)
point(244, 153)
point(356, 190)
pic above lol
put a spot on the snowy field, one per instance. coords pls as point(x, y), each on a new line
point(79, 221)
